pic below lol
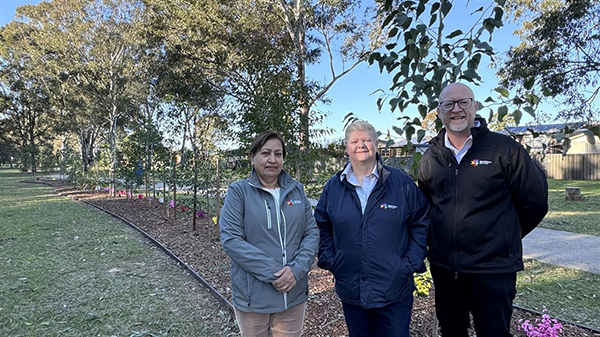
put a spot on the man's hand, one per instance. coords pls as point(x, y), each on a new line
point(285, 280)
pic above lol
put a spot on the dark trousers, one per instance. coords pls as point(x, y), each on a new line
point(391, 320)
point(489, 298)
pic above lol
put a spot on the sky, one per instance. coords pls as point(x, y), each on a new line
point(358, 91)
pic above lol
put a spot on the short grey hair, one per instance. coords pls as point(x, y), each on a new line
point(364, 126)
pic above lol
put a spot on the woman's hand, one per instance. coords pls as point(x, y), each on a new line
point(285, 280)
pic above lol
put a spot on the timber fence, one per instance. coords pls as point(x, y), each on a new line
point(585, 166)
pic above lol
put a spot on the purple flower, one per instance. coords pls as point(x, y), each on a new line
point(200, 214)
point(547, 327)
point(172, 204)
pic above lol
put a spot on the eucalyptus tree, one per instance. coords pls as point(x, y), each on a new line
point(256, 53)
point(114, 72)
point(186, 40)
point(91, 54)
point(182, 40)
point(558, 56)
point(339, 33)
point(26, 112)
point(47, 27)
point(432, 49)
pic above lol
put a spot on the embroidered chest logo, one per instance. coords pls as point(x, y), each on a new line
point(293, 202)
point(387, 206)
point(477, 162)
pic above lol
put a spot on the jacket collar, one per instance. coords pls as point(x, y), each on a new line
point(285, 180)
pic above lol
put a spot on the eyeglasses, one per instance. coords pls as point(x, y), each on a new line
point(463, 103)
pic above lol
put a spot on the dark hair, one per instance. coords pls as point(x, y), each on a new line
point(262, 138)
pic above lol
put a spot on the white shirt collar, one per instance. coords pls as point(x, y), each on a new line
point(348, 171)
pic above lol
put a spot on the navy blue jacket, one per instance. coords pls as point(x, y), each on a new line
point(373, 255)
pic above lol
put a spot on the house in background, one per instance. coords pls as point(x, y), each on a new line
point(545, 133)
point(580, 144)
point(543, 142)
point(582, 160)
point(396, 148)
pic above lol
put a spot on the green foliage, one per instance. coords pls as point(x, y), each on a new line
point(558, 54)
point(426, 56)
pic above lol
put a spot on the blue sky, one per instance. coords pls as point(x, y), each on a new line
point(354, 91)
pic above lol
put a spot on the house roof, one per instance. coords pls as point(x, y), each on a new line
point(542, 128)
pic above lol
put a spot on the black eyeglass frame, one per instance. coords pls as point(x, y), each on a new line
point(470, 104)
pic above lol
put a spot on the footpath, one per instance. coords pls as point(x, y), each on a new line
point(571, 250)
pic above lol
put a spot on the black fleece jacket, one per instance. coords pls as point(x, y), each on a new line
point(482, 207)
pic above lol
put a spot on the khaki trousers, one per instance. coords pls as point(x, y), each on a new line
point(287, 323)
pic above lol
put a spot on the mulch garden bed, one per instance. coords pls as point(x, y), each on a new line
point(201, 250)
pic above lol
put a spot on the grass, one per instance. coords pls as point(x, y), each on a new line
point(568, 294)
point(69, 270)
point(574, 216)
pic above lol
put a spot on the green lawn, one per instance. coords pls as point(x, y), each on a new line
point(67, 269)
point(566, 293)
point(574, 216)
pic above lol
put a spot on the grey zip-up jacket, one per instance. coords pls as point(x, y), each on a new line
point(261, 237)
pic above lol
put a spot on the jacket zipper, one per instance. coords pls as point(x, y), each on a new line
point(454, 222)
point(268, 210)
point(284, 251)
point(282, 240)
point(282, 232)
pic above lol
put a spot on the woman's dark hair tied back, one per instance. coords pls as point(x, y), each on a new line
point(262, 138)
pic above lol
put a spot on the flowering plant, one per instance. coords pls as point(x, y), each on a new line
point(214, 219)
point(547, 327)
point(200, 214)
point(423, 284)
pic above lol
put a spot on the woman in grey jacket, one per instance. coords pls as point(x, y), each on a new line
point(269, 232)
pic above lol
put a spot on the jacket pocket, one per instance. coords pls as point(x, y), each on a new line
point(334, 265)
point(241, 286)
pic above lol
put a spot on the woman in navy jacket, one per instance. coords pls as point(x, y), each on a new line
point(373, 222)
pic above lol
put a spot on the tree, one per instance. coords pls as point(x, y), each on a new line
point(428, 54)
point(89, 59)
point(558, 55)
point(26, 112)
point(335, 32)
point(332, 28)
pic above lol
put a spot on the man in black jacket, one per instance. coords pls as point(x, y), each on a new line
point(486, 194)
